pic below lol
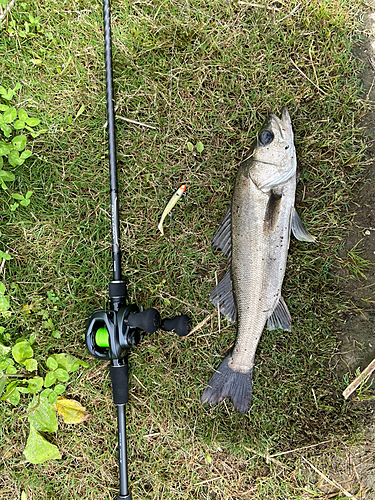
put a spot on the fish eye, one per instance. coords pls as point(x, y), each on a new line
point(265, 137)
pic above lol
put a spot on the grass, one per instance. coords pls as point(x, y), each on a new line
point(195, 72)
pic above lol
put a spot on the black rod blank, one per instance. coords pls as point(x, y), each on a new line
point(116, 251)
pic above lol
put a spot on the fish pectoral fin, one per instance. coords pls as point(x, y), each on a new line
point(280, 318)
point(222, 239)
point(299, 230)
point(272, 211)
point(222, 295)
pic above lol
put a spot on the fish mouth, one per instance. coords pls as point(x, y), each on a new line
point(283, 125)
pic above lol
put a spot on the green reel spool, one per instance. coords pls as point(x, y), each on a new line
point(102, 337)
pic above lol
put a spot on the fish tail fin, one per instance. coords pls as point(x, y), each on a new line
point(227, 383)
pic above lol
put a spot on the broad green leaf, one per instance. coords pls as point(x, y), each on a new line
point(3, 107)
point(41, 415)
point(37, 62)
point(61, 375)
point(45, 393)
point(52, 398)
point(31, 365)
point(59, 389)
point(28, 194)
point(25, 203)
point(190, 146)
point(14, 158)
point(6, 176)
point(5, 148)
point(23, 496)
point(3, 350)
point(52, 363)
point(32, 122)
point(6, 129)
point(35, 385)
point(71, 411)
point(68, 362)
point(4, 303)
point(21, 351)
point(11, 387)
point(14, 206)
point(10, 115)
point(80, 111)
point(25, 154)
point(11, 370)
point(2, 288)
point(4, 256)
point(19, 142)
point(17, 196)
point(14, 398)
point(3, 381)
point(200, 147)
point(19, 124)
point(1, 162)
point(38, 449)
point(22, 115)
point(49, 379)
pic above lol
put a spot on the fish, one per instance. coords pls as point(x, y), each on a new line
point(171, 203)
point(254, 235)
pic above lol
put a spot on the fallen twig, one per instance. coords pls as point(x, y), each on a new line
point(299, 449)
point(135, 122)
point(358, 380)
point(307, 78)
point(291, 13)
point(202, 323)
point(267, 458)
point(330, 481)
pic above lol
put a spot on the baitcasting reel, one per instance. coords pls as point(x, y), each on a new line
point(110, 334)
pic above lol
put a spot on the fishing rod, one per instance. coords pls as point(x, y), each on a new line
point(111, 333)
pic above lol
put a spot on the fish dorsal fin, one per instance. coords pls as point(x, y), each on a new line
point(222, 295)
point(222, 239)
point(299, 230)
point(280, 318)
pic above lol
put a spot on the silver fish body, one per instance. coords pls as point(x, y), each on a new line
point(255, 235)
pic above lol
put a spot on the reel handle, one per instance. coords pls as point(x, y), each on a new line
point(149, 321)
point(178, 324)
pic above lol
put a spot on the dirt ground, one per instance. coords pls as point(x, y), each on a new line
point(354, 469)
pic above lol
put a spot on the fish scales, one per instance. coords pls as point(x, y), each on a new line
point(255, 235)
point(258, 262)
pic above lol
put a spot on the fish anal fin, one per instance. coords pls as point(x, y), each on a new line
point(227, 383)
point(280, 318)
point(222, 295)
point(298, 229)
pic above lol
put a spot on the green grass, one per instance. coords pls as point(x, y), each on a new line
point(195, 71)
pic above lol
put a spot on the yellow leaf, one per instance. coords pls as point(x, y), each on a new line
point(71, 411)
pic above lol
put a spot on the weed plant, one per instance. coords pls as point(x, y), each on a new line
point(192, 72)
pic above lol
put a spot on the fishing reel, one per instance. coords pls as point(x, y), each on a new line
point(111, 333)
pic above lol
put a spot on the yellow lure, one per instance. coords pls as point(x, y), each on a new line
point(171, 203)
